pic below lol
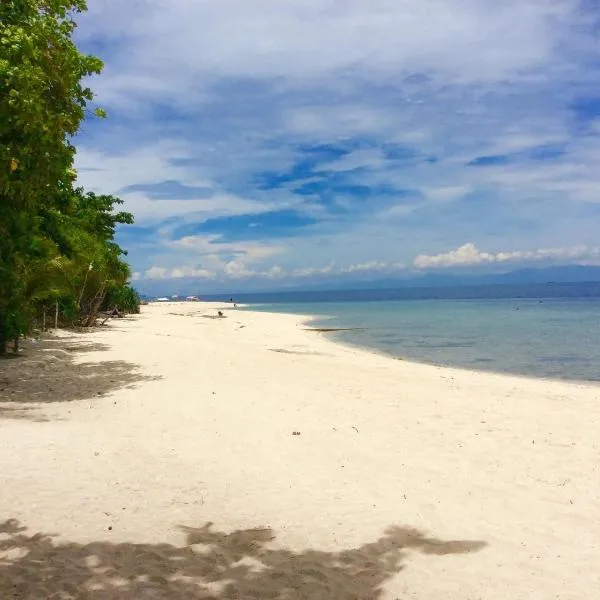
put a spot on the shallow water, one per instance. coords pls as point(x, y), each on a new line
point(557, 338)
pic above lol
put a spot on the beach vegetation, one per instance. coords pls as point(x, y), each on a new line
point(59, 261)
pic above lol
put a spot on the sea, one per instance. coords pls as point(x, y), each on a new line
point(538, 330)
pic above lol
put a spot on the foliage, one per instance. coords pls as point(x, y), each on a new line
point(124, 297)
point(42, 95)
point(56, 241)
point(89, 266)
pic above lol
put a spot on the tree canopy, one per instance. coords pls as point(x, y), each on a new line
point(57, 242)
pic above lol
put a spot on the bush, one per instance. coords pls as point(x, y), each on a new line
point(124, 297)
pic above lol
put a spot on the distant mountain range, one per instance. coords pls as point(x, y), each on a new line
point(559, 274)
point(443, 279)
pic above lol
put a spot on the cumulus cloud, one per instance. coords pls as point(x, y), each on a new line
point(470, 255)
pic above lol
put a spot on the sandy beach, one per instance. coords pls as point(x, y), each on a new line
point(175, 454)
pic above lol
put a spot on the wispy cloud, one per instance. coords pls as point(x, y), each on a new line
point(343, 133)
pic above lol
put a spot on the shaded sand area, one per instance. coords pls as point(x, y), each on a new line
point(173, 455)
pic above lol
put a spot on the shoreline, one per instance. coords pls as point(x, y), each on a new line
point(308, 319)
point(431, 481)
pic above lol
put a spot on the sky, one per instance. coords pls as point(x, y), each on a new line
point(274, 144)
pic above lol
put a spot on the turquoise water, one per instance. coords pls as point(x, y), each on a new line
point(556, 338)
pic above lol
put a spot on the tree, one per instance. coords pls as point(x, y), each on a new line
point(43, 100)
point(84, 263)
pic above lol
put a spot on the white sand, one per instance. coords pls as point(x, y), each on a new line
point(203, 432)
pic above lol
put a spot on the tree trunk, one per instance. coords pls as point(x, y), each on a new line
point(3, 339)
point(96, 304)
point(83, 289)
point(16, 346)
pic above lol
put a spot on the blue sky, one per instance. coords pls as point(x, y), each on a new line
point(270, 144)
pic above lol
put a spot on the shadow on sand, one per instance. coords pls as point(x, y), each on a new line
point(242, 565)
point(49, 372)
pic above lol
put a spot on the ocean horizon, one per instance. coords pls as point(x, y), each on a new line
point(550, 289)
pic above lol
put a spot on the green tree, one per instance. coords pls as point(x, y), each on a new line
point(43, 100)
point(94, 223)
point(84, 263)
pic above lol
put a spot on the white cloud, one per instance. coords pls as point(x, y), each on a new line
point(516, 141)
point(372, 266)
point(463, 40)
point(181, 272)
point(149, 211)
point(219, 259)
point(448, 192)
point(224, 95)
point(470, 255)
point(346, 119)
point(112, 173)
point(114, 168)
point(213, 246)
point(275, 272)
point(156, 273)
point(177, 273)
point(465, 255)
point(358, 159)
point(313, 271)
point(575, 177)
point(237, 269)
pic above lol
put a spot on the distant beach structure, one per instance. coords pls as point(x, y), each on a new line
point(162, 300)
point(192, 299)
